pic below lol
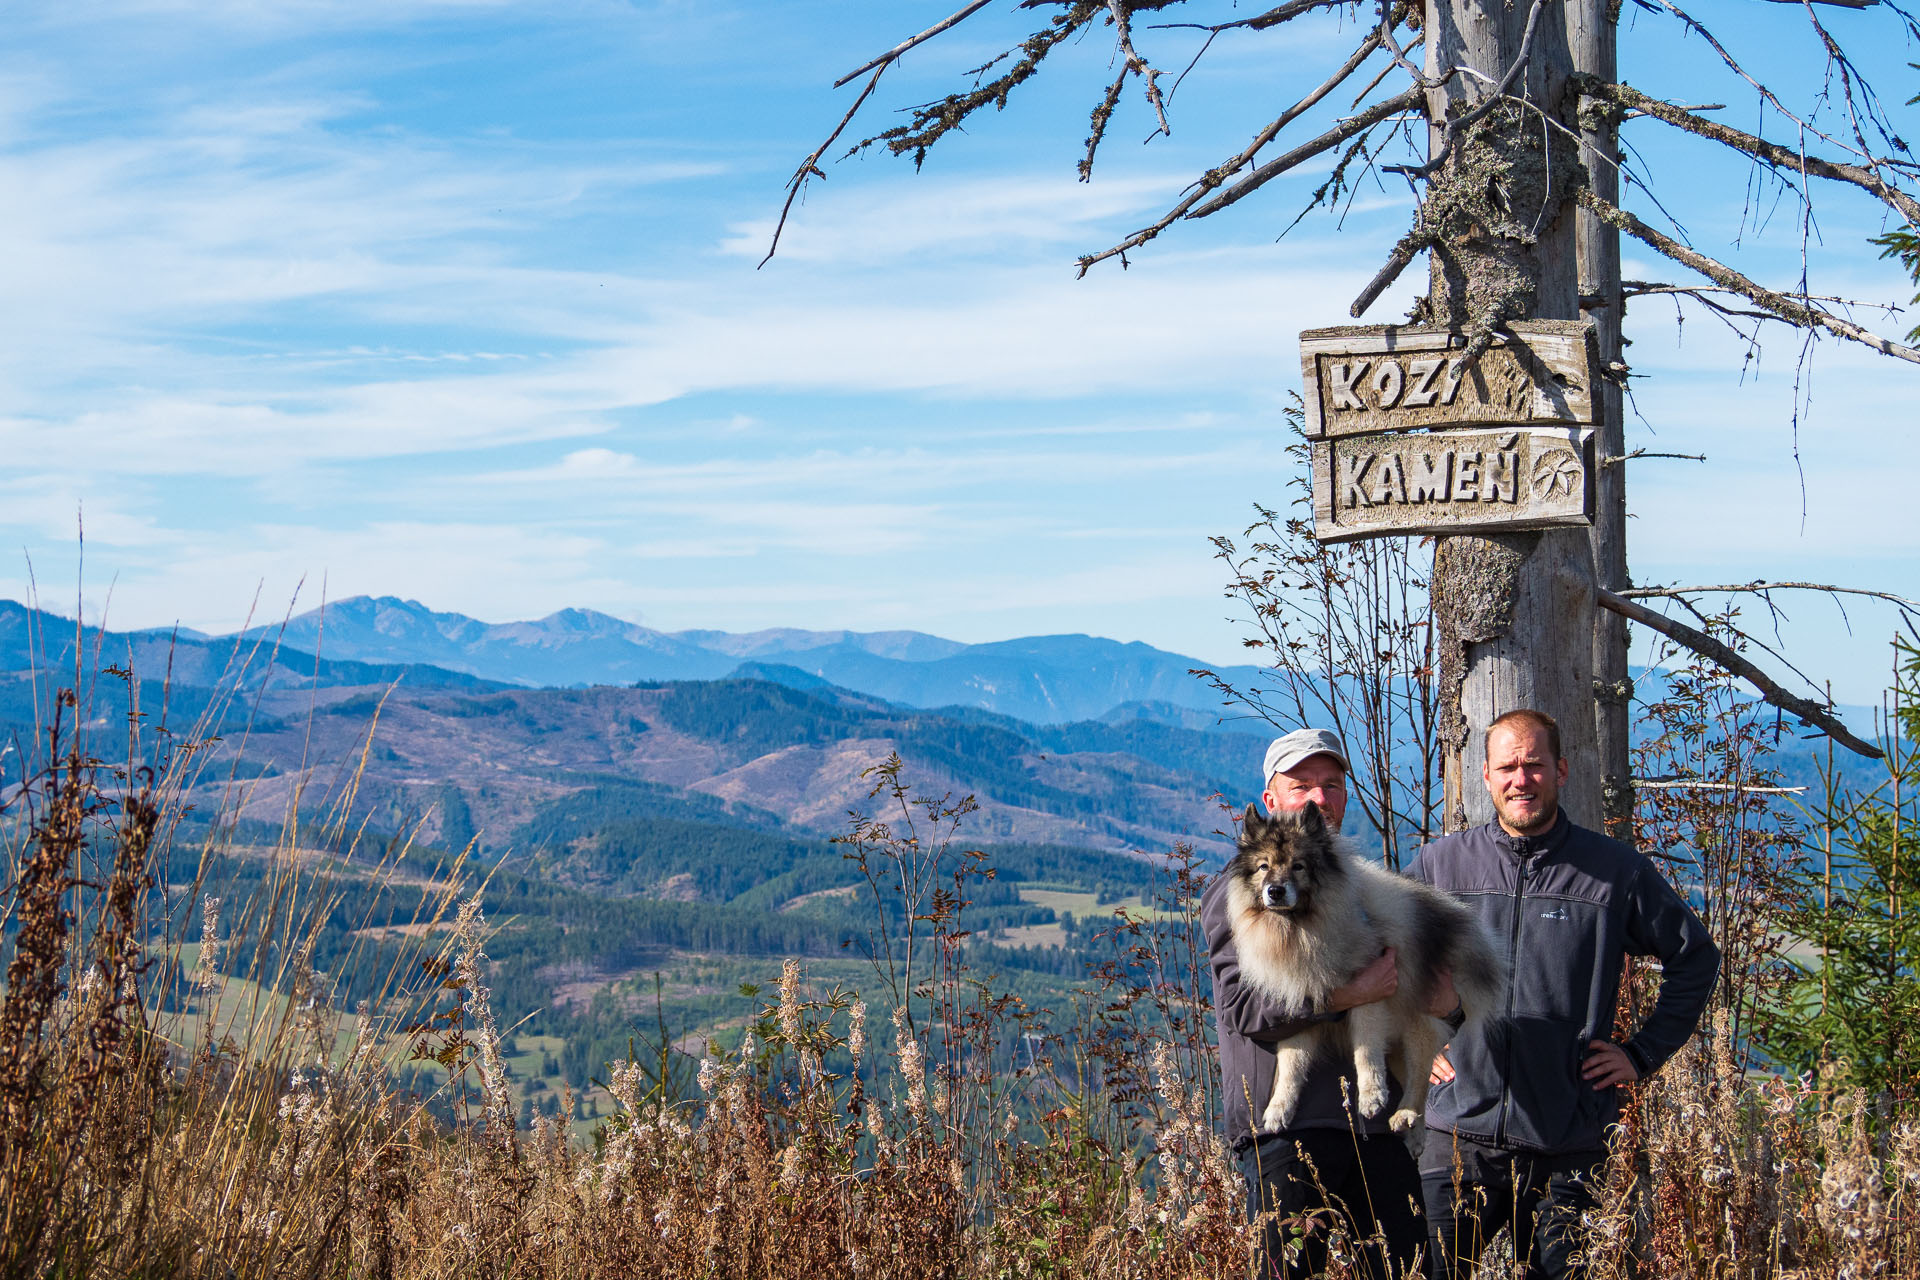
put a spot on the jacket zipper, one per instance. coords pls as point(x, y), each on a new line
point(1506, 1072)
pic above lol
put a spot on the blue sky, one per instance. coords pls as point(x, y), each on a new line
point(458, 301)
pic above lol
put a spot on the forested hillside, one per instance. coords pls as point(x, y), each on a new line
point(741, 752)
point(645, 851)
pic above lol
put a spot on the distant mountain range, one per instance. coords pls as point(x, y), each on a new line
point(35, 640)
point(366, 640)
point(1051, 692)
point(1039, 679)
point(501, 722)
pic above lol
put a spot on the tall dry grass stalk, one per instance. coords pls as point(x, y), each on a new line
point(267, 1132)
point(1723, 1173)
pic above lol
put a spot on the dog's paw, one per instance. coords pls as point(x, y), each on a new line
point(1373, 1097)
point(1404, 1120)
point(1276, 1117)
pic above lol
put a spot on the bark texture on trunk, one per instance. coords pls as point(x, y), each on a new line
point(1591, 35)
point(1517, 608)
point(1513, 613)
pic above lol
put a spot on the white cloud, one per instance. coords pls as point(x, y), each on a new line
point(143, 259)
point(300, 301)
point(263, 19)
point(40, 512)
point(869, 227)
point(208, 580)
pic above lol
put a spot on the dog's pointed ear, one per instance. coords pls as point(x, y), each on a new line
point(1311, 820)
point(1252, 823)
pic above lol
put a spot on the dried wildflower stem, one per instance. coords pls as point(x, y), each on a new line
point(469, 929)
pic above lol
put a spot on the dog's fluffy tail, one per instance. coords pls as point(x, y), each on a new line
point(1479, 976)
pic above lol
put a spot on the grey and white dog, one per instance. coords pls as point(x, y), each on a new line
point(1308, 914)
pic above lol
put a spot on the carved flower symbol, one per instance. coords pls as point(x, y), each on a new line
point(1554, 471)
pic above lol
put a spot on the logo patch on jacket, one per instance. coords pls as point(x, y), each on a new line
point(1558, 913)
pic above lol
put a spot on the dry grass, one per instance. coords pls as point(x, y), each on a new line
point(983, 1139)
point(1727, 1174)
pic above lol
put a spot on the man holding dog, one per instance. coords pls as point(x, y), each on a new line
point(1329, 1159)
point(1522, 1103)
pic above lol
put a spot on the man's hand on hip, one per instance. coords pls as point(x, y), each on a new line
point(1375, 982)
point(1608, 1065)
point(1442, 1070)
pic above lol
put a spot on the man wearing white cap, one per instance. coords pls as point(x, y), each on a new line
point(1329, 1157)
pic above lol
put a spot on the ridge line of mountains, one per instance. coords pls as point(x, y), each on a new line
point(365, 640)
point(1069, 741)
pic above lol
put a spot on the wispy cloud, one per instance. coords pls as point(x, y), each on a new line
point(872, 228)
point(458, 301)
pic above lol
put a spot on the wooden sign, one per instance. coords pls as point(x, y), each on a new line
point(1452, 482)
point(1369, 378)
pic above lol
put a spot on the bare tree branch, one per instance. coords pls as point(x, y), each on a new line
point(1308, 150)
point(1767, 95)
point(1122, 19)
point(1300, 108)
point(1772, 608)
point(1678, 783)
point(1730, 316)
point(1131, 64)
point(1259, 21)
point(1219, 174)
point(1388, 20)
point(1761, 587)
point(1702, 295)
point(1181, 78)
point(1103, 112)
point(1403, 253)
point(932, 121)
point(1615, 459)
point(1713, 650)
point(893, 54)
point(810, 167)
point(1771, 153)
point(1698, 292)
point(1849, 75)
point(1786, 307)
point(1379, 75)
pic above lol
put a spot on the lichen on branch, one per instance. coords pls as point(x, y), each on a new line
point(932, 121)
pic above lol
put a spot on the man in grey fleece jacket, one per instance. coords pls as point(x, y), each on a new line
point(1522, 1103)
point(1329, 1159)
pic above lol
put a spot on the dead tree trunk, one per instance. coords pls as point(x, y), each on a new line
point(1591, 35)
point(1514, 611)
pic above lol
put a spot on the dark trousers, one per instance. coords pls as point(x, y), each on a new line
point(1315, 1179)
point(1472, 1190)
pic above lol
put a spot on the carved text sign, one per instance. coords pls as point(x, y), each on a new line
point(1451, 482)
point(1364, 379)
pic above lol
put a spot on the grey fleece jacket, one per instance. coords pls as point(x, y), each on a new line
point(1248, 1024)
point(1566, 908)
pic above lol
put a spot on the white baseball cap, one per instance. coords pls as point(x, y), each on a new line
point(1290, 749)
